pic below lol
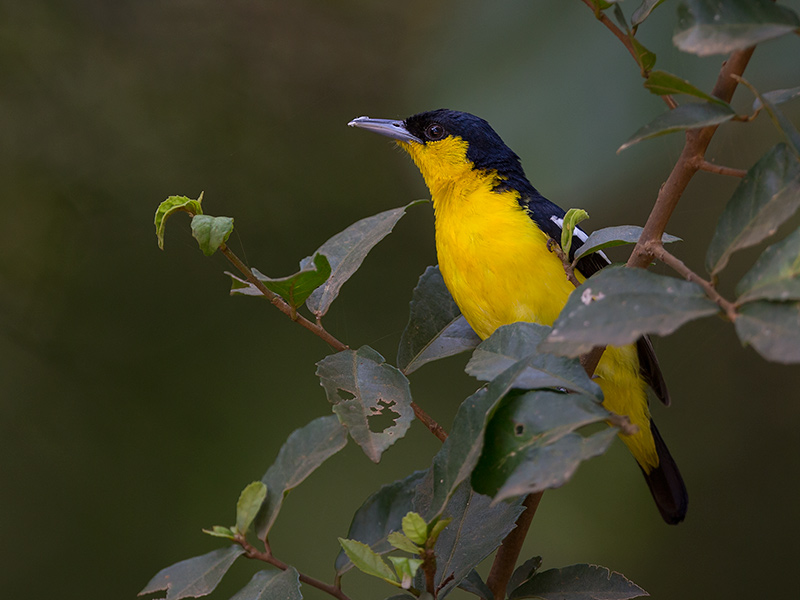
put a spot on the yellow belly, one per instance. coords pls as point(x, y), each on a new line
point(497, 266)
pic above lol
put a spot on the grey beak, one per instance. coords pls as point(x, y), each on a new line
point(393, 129)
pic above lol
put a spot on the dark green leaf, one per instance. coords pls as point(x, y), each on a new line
point(615, 236)
point(776, 97)
point(360, 385)
point(367, 561)
point(435, 327)
point(523, 573)
point(708, 27)
point(380, 515)
point(294, 288)
point(531, 445)
point(511, 343)
point(347, 250)
point(617, 306)
point(662, 83)
point(685, 116)
point(194, 577)
point(772, 328)
point(169, 207)
point(767, 196)
point(644, 10)
point(645, 58)
point(783, 125)
point(211, 232)
point(477, 528)
point(473, 584)
point(305, 450)
point(250, 501)
point(272, 585)
point(775, 275)
point(578, 582)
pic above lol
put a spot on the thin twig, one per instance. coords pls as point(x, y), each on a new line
point(704, 165)
point(267, 557)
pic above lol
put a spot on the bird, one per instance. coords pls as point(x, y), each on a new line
point(494, 233)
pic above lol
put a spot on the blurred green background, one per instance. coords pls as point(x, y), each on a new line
point(138, 398)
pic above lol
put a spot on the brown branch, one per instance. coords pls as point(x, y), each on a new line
point(704, 165)
point(267, 557)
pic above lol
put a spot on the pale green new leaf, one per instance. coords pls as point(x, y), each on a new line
point(211, 232)
point(250, 501)
point(172, 205)
point(571, 220)
point(401, 542)
point(415, 528)
point(194, 577)
point(368, 561)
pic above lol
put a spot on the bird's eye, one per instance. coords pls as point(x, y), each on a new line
point(435, 132)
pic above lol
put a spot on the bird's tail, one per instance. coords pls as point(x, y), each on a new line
point(666, 484)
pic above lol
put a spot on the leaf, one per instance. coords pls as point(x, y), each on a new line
point(435, 530)
point(617, 306)
point(436, 329)
point(268, 585)
point(406, 569)
point(194, 577)
point(644, 57)
point(782, 124)
point(708, 27)
point(776, 97)
point(305, 450)
point(211, 232)
point(523, 573)
point(571, 220)
point(294, 288)
point(169, 207)
point(615, 236)
point(772, 328)
point(347, 250)
point(578, 582)
point(662, 83)
point(401, 542)
point(476, 530)
point(221, 532)
point(250, 501)
point(511, 343)
point(685, 116)
point(531, 445)
point(367, 561)
point(775, 275)
point(360, 385)
point(766, 197)
point(473, 584)
point(380, 515)
point(415, 528)
point(644, 10)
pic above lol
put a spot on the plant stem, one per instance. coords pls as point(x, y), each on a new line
point(721, 170)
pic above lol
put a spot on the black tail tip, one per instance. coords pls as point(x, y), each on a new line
point(666, 484)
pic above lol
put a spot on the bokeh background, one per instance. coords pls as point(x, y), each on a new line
point(137, 398)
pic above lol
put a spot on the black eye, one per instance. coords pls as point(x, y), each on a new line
point(435, 132)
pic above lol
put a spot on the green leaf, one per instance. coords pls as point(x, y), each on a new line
point(305, 450)
point(782, 124)
point(347, 250)
point(381, 515)
point(415, 528)
point(250, 501)
point(662, 83)
point(766, 197)
point(360, 385)
point(220, 531)
point(708, 27)
point(367, 561)
point(211, 232)
point(294, 288)
point(609, 237)
point(169, 207)
point(571, 220)
point(772, 328)
point(644, 10)
point(269, 585)
point(401, 542)
point(523, 573)
point(406, 569)
point(685, 116)
point(644, 57)
point(518, 341)
point(775, 275)
point(435, 529)
point(194, 577)
point(617, 306)
point(578, 582)
point(531, 444)
point(776, 97)
point(436, 329)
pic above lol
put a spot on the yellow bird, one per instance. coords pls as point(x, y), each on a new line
point(492, 233)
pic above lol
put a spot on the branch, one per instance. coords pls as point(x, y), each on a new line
point(704, 165)
point(267, 557)
point(318, 330)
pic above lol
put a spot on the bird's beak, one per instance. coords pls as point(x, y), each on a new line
point(393, 129)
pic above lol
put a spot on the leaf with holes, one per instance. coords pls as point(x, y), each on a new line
point(609, 237)
point(305, 450)
point(723, 26)
point(532, 445)
point(775, 275)
point(266, 585)
point(772, 328)
point(194, 577)
point(578, 582)
point(362, 387)
point(617, 306)
point(766, 197)
point(436, 329)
